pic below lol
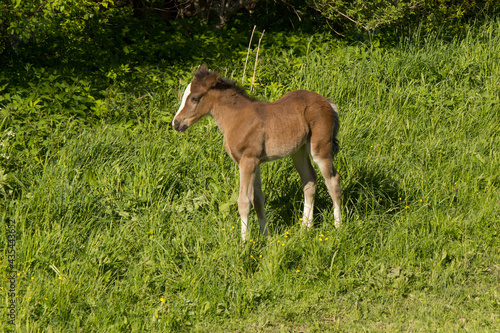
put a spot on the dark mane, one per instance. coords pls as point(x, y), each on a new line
point(222, 83)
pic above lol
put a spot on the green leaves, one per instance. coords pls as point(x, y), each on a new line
point(39, 20)
point(394, 18)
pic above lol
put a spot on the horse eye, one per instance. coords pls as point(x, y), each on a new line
point(196, 99)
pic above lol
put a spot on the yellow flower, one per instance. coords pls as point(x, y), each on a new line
point(320, 239)
point(297, 271)
point(326, 238)
point(60, 277)
point(162, 299)
point(282, 244)
point(406, 207)
point(260, 256)
point(32, 278)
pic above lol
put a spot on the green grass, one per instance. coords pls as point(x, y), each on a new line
point(125, 228)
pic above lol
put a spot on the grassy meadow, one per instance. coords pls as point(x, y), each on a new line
point(128, 226)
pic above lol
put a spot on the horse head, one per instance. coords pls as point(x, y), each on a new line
point(195, 101)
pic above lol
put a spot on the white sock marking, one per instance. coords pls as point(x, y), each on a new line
point(244, 225)
point(307, 220)
point(336, 214)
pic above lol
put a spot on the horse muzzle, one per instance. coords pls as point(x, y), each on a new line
point(178, 126)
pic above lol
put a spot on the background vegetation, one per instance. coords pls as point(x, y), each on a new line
point(121, 224)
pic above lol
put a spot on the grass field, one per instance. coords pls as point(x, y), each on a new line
point(135, 228)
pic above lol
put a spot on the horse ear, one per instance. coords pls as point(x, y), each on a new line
point(203, 68)
point(211, 80)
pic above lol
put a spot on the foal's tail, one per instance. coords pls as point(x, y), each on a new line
point(336, 126)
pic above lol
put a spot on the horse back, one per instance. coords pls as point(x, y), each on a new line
point(293, 120)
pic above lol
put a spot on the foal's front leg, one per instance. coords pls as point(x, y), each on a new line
point(248, 168)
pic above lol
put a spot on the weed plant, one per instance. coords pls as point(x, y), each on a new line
point(130, 226)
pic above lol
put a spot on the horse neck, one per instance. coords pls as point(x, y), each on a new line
point(227, 106)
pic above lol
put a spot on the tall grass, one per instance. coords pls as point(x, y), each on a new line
point(138, 230)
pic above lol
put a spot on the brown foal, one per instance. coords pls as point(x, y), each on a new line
point(300, 123)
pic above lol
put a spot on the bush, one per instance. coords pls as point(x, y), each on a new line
point(387, 16)
point(21, 21)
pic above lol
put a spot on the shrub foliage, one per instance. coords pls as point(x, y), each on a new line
point(72, 20)
point(404, 15)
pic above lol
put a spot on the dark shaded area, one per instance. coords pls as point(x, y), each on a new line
point(372, 190)
point(365, 192)
point(152, 32)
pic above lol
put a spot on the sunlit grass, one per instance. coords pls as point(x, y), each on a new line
point(138, 229)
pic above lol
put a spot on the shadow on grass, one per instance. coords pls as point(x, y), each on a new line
point(372, 190)
point(366, 191)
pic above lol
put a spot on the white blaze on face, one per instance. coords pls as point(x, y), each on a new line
point(187, 92)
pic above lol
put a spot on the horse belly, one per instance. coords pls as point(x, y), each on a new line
point(283, 142)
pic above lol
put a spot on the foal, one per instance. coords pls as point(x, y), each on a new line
point(300, 123)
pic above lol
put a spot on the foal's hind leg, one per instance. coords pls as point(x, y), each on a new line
point(332, 180)
point(258, 202)
point(308, 178)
